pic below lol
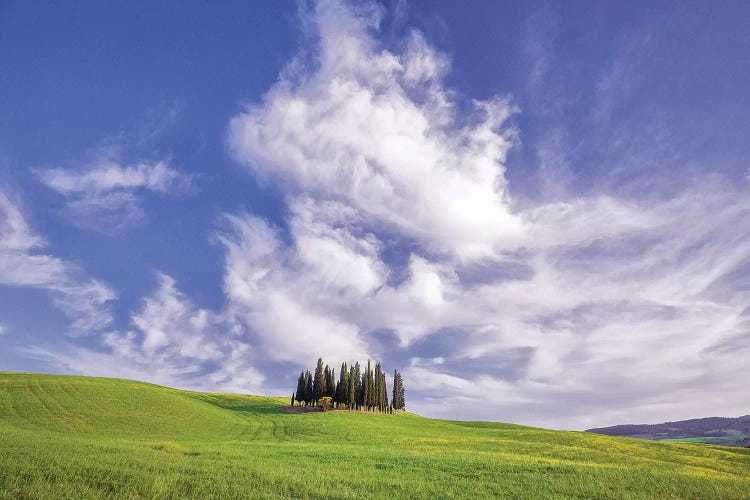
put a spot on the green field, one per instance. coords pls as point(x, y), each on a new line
point(82, 437)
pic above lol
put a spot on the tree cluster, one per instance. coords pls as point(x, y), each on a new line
point(356, 389)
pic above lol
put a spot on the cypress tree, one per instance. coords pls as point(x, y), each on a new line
point(399, 401)
point(402, 394)
point(308, 388)
point(300, 388)
point(292, 403)
point(399, 393)
point(373, 389)
point(342, 389)
point(326, 381)
point(380, 392)
point(383, 392)
point(352, 388)
point(376, 389)
point(394, 400)
point(360, 393)
point(324, 384)
point(318, 381)
point(368, 387)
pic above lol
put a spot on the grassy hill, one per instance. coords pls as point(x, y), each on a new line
point(79, 437)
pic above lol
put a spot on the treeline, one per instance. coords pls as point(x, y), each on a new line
point(355, 389)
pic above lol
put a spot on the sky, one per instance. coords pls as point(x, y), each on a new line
point(538, 212)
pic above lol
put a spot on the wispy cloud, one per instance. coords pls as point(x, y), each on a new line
point(23, 263)
point(172, 342)
point(110, 176)
point(548, 100)
point(624, 74)
point(107, 195)
point(106, 188)
point(272, 289)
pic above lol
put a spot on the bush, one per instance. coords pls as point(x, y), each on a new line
point(326, 402)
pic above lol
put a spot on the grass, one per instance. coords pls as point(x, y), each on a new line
point(83, 437)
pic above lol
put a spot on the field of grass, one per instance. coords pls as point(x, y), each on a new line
point(82, 437)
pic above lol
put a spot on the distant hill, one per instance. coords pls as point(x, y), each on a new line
point(711, 430)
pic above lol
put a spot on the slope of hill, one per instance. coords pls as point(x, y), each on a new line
point(81, 437)
point(711, 430)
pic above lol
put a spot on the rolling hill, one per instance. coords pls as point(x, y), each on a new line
point(710, 430)
point(83, 437)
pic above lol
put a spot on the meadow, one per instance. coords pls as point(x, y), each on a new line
point(84, 437)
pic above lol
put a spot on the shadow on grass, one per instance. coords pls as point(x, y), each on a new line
point(243, 404)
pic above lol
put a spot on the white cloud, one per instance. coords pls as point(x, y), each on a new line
point(272, 289)
point(23, 264)
point(167, 319)
point(378, 131)
point(107, 195)
point(16, 233)
point(112, 176)
point(172, 343)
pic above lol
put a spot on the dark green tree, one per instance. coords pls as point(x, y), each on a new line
point(369, 388)
point(292, 403)
point(394, 396)
point(300, 394)
point(359, 390)
point(377, 396)
point(342, 389)
point(331, 383)
point(382, 390)
point(401, 393)
point(352, 387)
point(399, 399)
point(318, 382)
point(386, 403)
point(308, 388)
point(326, 380)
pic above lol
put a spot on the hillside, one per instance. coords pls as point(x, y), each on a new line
point(81, 437)
point(711, 430)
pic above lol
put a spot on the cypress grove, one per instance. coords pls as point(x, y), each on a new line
point(355, 389)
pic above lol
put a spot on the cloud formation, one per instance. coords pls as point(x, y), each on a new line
point(172, 342)
point(615, 306)
point(107, 195)
point(24, 264)
point(378, 131)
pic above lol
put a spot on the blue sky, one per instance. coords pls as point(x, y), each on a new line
point(537, 211)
